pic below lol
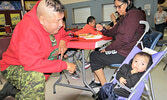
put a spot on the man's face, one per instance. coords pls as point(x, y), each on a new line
point(53, 23)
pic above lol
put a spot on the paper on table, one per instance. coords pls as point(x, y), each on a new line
point(93, 37)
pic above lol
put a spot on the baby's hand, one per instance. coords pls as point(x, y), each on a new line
point(134, 71)
point(122, 81)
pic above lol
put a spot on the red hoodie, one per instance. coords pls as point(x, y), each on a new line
point(30, 46)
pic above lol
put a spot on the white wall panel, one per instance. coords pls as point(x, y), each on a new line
point(71, 1)
point(81, 14)
point(108, 9)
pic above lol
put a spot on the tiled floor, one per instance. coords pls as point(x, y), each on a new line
point(64, 93)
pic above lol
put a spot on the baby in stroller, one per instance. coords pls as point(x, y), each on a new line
point(128, 75)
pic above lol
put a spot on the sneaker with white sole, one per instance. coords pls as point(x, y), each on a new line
point(87, 65)
point(75, 76)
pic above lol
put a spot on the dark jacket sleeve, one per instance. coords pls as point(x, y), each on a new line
point(110, 32)
point(122, 71)
point(133, 79)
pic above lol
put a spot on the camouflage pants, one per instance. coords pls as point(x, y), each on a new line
point(30, 83)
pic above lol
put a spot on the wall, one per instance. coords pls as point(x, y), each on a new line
point(96, 10)
point(71, 1)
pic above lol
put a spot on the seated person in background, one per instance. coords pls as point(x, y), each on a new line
point(89, 28)
point(128, 75)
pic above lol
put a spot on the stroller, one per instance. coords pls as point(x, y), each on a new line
point(138, 89)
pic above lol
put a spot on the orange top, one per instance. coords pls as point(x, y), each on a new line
point(88, 29)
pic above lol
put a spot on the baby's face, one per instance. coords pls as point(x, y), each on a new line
point(140, 63)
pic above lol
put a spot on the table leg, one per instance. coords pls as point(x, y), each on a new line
point(84, 73)
point(87, 88)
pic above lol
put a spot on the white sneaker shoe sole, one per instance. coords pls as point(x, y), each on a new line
point(87, 66)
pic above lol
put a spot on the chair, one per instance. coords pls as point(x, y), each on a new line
point(151, 39)
point(138, 89)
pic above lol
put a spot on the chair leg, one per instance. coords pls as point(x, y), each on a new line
point(160, 49)
point(164, 67)
point(66, 77)
point(87, 58)
point(58, 81)
point(1, 82)
point(1, 79)
point(77, 61)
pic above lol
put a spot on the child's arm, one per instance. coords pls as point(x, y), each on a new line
point(133, 79)
point(122, 72)
point(122, 81)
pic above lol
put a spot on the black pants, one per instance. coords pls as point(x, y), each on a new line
point(99, 60)
point(160, 28)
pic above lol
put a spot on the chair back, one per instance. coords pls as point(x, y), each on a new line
point(151, 39)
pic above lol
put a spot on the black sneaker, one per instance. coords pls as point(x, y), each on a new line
point(93, 84)
point(8, 90)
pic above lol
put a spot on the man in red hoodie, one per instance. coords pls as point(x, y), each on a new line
point(33, 53)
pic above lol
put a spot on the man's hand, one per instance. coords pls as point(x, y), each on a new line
point(122, 81)
point(71, 67)
point(62, 48)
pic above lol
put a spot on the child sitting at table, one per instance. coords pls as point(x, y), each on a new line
point(128, 75)
point(89, 28)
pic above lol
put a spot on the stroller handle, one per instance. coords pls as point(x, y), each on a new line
point(147, 27)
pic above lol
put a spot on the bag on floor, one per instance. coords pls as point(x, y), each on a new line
point(106, 92)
